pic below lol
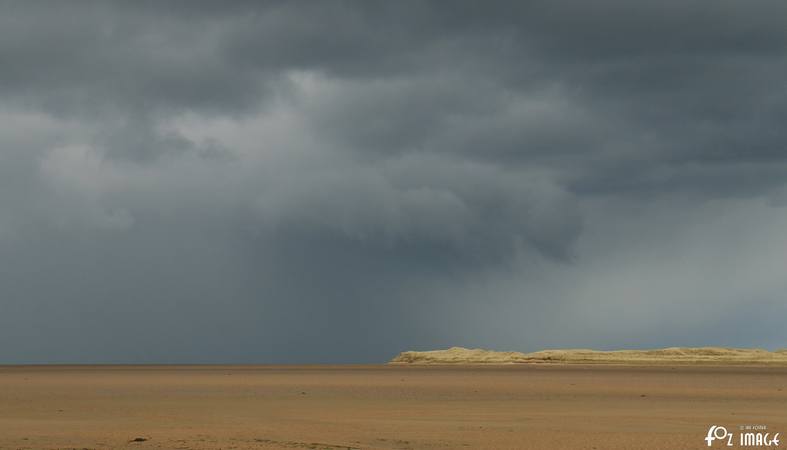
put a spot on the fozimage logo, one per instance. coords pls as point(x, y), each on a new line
point(749, 436)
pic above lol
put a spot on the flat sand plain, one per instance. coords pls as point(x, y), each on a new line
point(383, 407)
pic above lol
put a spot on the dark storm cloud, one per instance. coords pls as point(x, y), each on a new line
point(317, 181)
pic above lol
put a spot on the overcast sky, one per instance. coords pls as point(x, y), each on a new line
point(338, 181)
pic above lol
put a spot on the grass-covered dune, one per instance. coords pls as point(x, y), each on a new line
point(672, 355)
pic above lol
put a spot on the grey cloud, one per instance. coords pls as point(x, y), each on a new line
point(302, 181)
point(472, 209)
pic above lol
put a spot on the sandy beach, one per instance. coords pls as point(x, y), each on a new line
point(383, 407)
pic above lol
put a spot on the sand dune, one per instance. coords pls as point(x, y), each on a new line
point(719, 355)
point(460, 355)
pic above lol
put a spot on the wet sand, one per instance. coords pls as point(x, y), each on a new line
point(383, 407)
